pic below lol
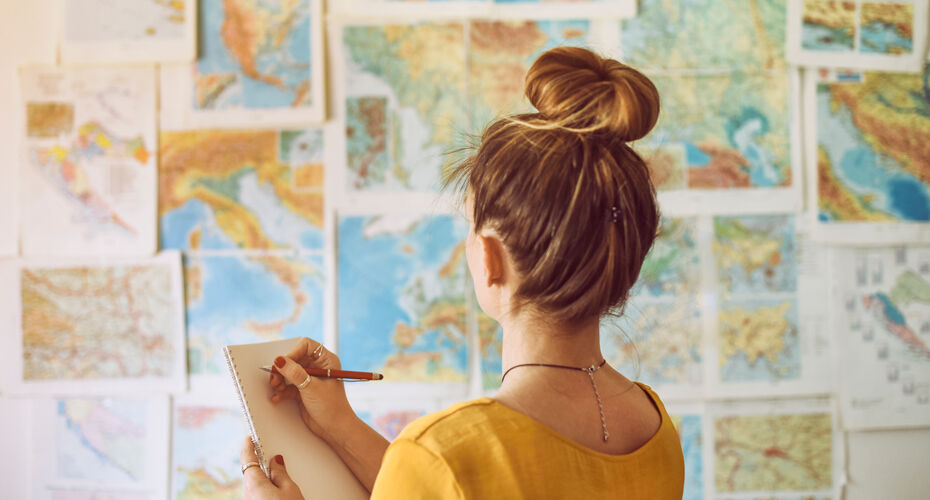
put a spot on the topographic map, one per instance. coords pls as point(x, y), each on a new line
point(241, 299)
point(500, 53)
point(403, 297)
point(873, 148)
point(758, 324)
point(706, 34)
point(879, 27)
point(764, 453)
point(89, 148)
point(886, 356)
point(658, 338)
point(205, 458)
point(756, 254)
point(720, 69)
point(100, 322)
point(241, 189)
point(405, 103)
point(828, 25)
point(253, 54)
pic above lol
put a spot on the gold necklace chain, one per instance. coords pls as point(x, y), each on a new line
point(587, 369)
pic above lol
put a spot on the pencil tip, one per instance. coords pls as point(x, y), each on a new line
point(378, 376)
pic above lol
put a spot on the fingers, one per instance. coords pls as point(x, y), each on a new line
point(279, 476)
point(247, 454)
point(311, 354)
point(286, 393)
point(291, 370)
point(253, 477)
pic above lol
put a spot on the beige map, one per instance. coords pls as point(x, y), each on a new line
point(773, 452)
point(97, 322)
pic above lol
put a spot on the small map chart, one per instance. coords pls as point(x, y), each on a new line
point(872, 149)
point(883, 302)
point(782, 453)
point(87, 324)
point(89, 150)
point(756, 254)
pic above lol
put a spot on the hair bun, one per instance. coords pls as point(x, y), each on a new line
point(578, 90)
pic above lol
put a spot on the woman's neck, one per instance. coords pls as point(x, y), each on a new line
point(535, 340)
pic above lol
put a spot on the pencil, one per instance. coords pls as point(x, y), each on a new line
point(340, 374)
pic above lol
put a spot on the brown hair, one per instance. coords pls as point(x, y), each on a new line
point(572, 202)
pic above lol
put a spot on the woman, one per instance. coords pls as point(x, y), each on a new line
point(561, 215)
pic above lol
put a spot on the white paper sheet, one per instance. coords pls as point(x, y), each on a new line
point(881, 322)
point(87, 327)
point(129, 31)
point(88, 161)
point(100, 448)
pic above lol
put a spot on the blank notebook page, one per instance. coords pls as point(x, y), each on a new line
point(279, 430)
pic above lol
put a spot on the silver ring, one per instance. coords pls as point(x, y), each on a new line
point(250, 464)
point(318, 351)
point(303, 384)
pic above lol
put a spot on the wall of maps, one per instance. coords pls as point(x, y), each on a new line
point(187, 174)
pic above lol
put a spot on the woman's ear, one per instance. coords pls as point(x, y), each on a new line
point(492, 258)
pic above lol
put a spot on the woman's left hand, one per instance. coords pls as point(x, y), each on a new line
point(257, 486)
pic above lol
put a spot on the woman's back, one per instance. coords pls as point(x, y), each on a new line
point(485, 449)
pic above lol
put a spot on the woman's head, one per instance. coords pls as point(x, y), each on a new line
point(570, 204)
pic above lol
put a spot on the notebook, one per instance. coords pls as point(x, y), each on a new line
point(277, 429)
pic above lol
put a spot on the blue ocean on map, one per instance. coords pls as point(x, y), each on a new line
point(239, 291)
point(864, 171)
point(825, 39)
point(290, 63)
point(692, 447)
point(377, 285)
point(883, 38)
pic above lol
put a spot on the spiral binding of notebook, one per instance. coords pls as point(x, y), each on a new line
point(234, 372)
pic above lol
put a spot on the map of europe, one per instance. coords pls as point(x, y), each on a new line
point(402, 297)
point(240, 299)
point(241, 189)
point(108, 322)
point(873, 148)
point(253, 54)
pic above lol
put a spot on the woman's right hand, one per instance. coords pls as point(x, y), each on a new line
point(323, 403)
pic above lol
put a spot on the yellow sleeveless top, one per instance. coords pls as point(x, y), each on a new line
point(483, 449)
